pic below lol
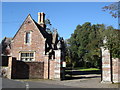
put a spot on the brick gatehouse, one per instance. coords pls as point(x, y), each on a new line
point(33, 52)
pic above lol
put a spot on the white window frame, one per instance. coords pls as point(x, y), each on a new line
point(30, 31)
point(28, 56)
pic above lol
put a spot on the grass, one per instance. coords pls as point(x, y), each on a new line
point(89, 69)
point(84, 69)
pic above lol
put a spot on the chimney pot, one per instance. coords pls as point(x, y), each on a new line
point(41, 19)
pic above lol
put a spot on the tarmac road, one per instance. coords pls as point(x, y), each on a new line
point(78, 81)
point(7, 83)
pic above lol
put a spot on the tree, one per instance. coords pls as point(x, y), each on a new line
point(114, 9)
point(112, 35)
point(113, 39)
point(48, 26)
point(84, 45)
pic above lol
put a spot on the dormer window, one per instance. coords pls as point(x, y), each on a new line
point(27, 38)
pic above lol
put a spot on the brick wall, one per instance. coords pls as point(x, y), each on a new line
point(110, 68)
point(37, 41)
point(51, 69)
point(46, 67)
point(57, 64)
point(26, 70)
point(116, 70)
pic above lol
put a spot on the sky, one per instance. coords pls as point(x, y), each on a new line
point(64, 16)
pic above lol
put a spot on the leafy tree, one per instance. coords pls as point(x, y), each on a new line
point(114, 9)
point(48, 26)
point(113, 39)
point(84, 45)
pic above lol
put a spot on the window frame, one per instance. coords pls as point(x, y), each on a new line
point(27, 38)
point(27, 57)
point(30, 37)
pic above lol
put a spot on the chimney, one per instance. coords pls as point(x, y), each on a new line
point(41, 19)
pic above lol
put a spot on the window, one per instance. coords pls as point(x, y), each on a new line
point(27, 56)
point(27, 38)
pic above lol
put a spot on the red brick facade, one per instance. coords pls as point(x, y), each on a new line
point(34, 41)
point(37, 43)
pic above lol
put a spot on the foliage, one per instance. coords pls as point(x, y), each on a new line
point(114, 9)
point(113, 41)
point(48, 26)
point(84, 45)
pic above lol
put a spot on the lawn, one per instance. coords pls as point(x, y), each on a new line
point(84, 69)
point(89, 69)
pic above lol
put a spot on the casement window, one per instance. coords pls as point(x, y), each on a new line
point(27, 56)
point(27, 38)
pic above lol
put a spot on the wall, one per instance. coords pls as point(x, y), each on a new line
point(116, 70)
point(26, 70)
point(110, 68)
point(37, 41)
point(57, 64)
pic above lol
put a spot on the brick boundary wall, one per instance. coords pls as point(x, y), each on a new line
point(26, 70)
point(116, 70)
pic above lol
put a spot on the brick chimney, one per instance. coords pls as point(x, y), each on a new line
point(41, 19)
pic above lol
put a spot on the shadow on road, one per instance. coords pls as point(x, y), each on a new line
point(70, 75)
point(82, 77)
point(83, 72)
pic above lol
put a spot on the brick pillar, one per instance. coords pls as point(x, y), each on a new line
point(57, 66)
point(51, 69)
point(46, 67)
point(106, 66)
point(116, 72)
point(9, 72)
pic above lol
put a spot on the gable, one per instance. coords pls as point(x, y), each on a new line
point(29, 24)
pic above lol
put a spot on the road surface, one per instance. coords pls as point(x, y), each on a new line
point(7, 83)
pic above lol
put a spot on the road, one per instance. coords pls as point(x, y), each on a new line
point(77, 81)
point(7, 83)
